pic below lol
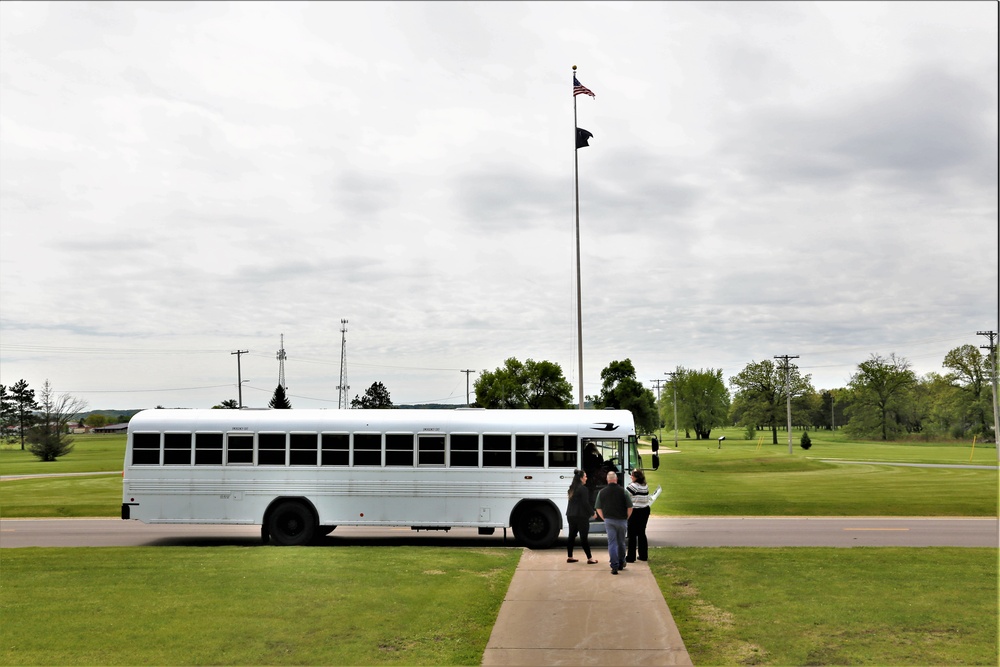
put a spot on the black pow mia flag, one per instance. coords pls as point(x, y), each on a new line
point(582, 136)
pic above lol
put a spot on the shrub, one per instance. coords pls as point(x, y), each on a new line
point(805, 442)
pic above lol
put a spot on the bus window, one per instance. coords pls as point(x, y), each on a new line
point(399, 449)
point(529, 451)
point(145, 449)
point(431, 450)
point(208, 449)
point(239, 446)
point(634, 460)
point(599, 458)
point(302, 449)
point(465, 450)
point(562, 451)
point(367, 449)
point(177, 449)
point(271, 449)
point(496, 451)
point(336, 449)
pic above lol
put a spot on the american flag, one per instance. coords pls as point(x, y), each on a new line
point(579, 88)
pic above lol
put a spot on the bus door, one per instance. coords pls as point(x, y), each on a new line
point(601, 456)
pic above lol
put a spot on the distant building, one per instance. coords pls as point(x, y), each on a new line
point(111, 428)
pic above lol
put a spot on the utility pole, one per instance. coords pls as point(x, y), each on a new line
point(342, 388)
point(788, 392)
point(673, 383)
point(657, 383)
point(992, 347)
point(239, 374)
point(467, 385)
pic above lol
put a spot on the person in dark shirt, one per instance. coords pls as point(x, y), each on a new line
point(579, 511)
point(614, 506)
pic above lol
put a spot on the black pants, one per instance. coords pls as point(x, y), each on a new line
point(578, 525)
point(637, 534)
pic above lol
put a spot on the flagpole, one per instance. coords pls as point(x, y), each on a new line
point(579, 291)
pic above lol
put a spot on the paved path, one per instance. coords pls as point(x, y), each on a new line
point(557, 613)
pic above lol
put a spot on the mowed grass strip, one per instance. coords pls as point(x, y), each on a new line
point(742, 479)
point(250, 606)
point(821, 606)
point(91, 453)
point(90, 496)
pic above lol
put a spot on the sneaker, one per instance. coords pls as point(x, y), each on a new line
point(614, 571)
point(621, 566)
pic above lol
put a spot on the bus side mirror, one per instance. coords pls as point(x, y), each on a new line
point(656, 445)
point(656, 461)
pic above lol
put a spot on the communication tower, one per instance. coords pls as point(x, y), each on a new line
point(343, 388)
point(281, 363)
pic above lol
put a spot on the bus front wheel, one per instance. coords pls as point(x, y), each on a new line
point(291, 523)
point(537, 526)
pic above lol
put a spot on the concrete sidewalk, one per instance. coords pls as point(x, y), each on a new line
point(559, 613)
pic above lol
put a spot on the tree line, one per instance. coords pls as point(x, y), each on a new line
point(883, 400)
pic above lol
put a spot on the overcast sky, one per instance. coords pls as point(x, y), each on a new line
point(184, 180)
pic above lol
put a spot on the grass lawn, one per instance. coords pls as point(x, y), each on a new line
point(250, 606)
point(92, 495)
point(744, 479)
point(91, 453)
point(818, 606)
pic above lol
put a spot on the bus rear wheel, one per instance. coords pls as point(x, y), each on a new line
point(291, 523)
point(537, 527)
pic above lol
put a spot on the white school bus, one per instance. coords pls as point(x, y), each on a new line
point(302, 473)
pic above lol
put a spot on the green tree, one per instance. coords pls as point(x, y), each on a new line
point(702, 401)
point(882, 386)
point(376, 397)
point(529, 385)
point(761, 395)
point(96, 420)
point(620, 390)
point(279, 401)
point(970, 373)
point(7, 413)
point(228, 404)
point(24, 408)
point(548, 388)
point(49, 438)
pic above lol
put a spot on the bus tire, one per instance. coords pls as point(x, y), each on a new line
point(537, 526)
point(291, 523)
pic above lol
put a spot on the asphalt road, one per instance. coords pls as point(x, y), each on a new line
point(673, 532)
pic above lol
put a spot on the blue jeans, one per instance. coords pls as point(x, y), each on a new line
point(616, 540)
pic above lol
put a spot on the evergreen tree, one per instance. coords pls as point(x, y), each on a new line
point(280, 401)
point(376, 397)
point(49, 438)
point(24, 408)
